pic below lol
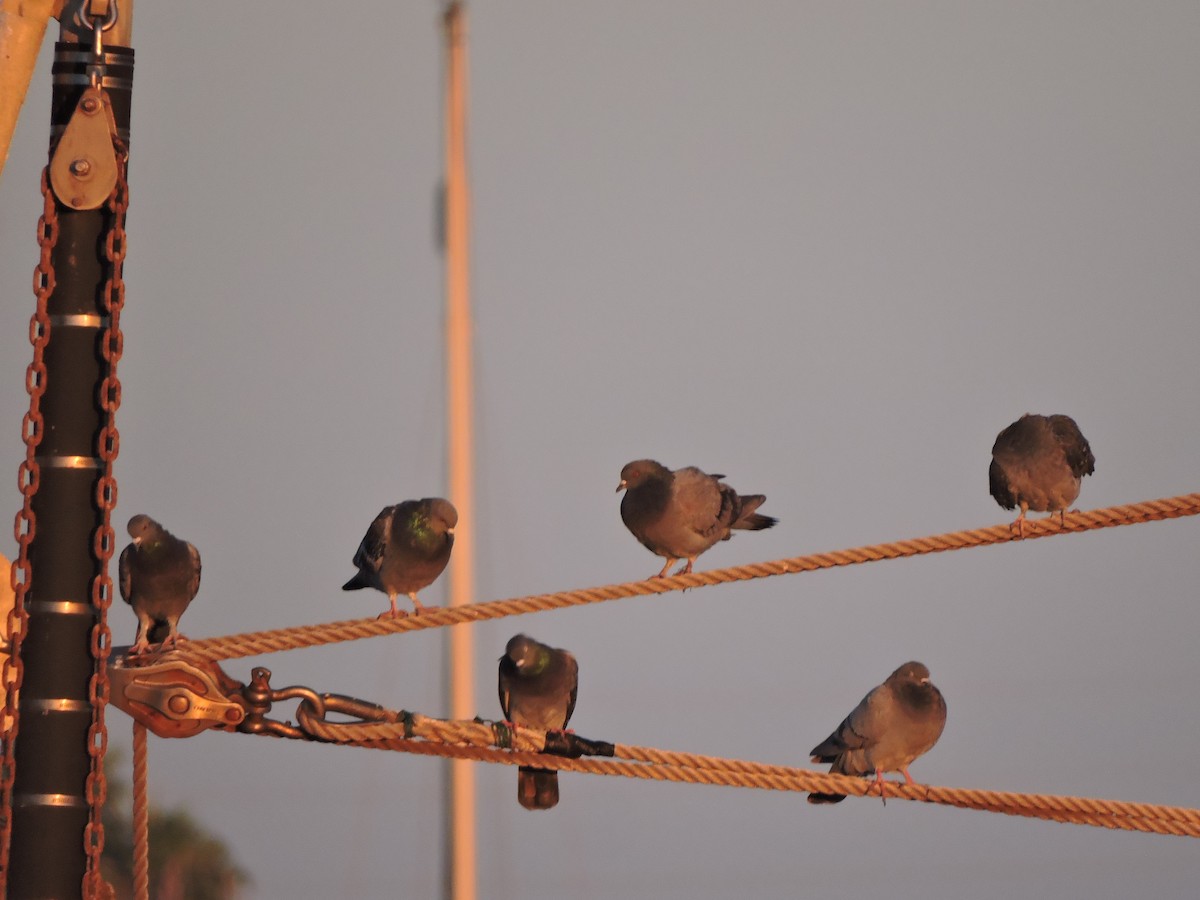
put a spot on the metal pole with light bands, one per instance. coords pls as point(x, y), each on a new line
point(56, 737)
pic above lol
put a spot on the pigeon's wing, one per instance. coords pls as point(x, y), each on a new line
point(194, 582)
point(699, 502)
point(374, 543)
point(125, 573)
point(505, 686)
point(573, 674)
point(858, 730)
point(1074, 445)
point(999, 487)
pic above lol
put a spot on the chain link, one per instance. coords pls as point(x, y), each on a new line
point(108, 446)
point(25, 527)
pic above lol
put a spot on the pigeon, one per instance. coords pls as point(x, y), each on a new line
point(405, 549)
point(538, 686)
point(894, 724)
point(1037, 463)
point(679, 515)
point(159, 577)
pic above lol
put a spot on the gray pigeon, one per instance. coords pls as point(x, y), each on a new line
point(1037, 463)
point(679, 515)
point(405, 549)
point(893, 725)
point(159, 575)
point(538, 686)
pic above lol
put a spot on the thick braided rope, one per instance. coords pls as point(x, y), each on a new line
point(256, 643)
point(474, 740)
point(141, 816)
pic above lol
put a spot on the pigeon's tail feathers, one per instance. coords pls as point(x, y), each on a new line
point(748, 519)
point(755, 522)
point(537, 788)
point(826, 798)
point(357, 583)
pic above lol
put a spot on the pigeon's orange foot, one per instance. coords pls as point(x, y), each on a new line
point(879, 784)
point(392, 614)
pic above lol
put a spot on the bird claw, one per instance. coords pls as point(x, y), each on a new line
point(392, 614)
point(880, 784)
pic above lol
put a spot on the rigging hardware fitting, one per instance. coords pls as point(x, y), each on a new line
point(175, 696)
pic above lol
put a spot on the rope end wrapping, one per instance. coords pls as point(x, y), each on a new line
point(572, 746)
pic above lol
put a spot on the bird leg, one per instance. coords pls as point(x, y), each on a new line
point(394, 612)
point(671, 560)
point(172, 638)
point(879, 782)
point(142, 643)
point(417, 607)
point(687, 570)
point(1020, 522)
point(907, 778)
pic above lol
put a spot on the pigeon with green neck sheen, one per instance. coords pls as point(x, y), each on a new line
point(406, 548)
point(1038, 463)
point(680, 514)
point(538, 686)
point(159, 576)
point(894, 724)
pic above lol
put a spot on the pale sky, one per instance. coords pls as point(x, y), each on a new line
point(827, 249)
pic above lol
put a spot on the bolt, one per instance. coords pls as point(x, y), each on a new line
point(90, 104)
point(81, 167)
point(178, 704)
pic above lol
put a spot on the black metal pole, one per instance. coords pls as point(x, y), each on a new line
point(48, 856)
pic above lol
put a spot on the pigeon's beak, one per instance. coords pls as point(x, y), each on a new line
point(449, 531)
point(621, 486)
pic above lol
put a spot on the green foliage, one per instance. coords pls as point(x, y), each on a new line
point(186, 861)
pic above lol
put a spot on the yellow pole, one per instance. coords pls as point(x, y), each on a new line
point(22, 28)
point(461, 881)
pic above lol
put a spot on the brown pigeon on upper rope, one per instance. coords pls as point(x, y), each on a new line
point(159, 576)
point(538, 687)
point(405, 550)
point(894, 724)
point(680, 514)
point(1037, 463)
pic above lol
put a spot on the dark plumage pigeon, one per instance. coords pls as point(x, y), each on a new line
point(1037, 463)
point(893, 725)
point(538, 685)
point(405, 549)
point(159, 575)
point(679, 515)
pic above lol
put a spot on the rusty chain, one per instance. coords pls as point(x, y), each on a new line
point(108, 446)
point(25, 527)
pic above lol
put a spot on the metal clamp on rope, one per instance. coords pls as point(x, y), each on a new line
point(569, 744)
point(174, 696)
point(557, 743)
